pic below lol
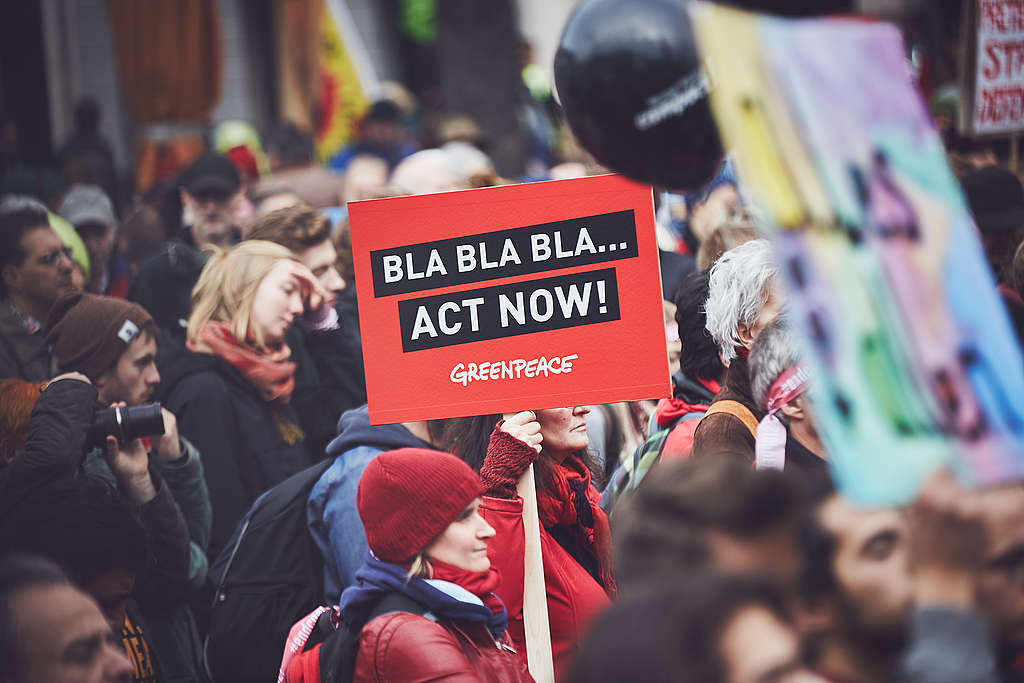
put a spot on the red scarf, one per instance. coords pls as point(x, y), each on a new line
point(269, 370)
point(557, 506)
point(480, 584)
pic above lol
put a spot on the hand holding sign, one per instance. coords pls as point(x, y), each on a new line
point(509, 455)
point(525, 427)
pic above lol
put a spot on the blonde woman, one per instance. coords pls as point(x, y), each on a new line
point(231, 395)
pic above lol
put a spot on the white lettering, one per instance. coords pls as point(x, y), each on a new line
point(541, 247)
point(392, 268)
point(466, 256)
point(584, 243)
point(509, 253)
point(410, 270)
point(484, 263)
point(580, 302)
point(517, 309)
point(474, 321)
point(549, 307)
point(423, 324)
point(559, 252)
point(442, 318)
point(435, 264)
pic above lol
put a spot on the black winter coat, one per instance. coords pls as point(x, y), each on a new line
point(248, 445)
point(163, 285)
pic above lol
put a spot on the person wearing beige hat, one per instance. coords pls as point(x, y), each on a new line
point(89, 210)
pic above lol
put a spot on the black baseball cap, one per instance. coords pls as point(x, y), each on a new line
point(210, 174)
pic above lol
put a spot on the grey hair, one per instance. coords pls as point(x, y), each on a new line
point(21, 202)
point(775, 349)
point(739, 286)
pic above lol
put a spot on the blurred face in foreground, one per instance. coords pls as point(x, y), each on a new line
point(759, 648)
point(872, 569)
point(1000, 590)
point(64, 638)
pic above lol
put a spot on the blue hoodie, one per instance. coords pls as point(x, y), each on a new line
point(331, 512)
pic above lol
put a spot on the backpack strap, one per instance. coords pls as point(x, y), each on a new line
point(399, 602)
point(737, 410)
point(339, 651)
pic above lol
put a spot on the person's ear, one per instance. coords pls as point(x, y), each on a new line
point(745, 334)
point(794, 409)
point(10, 275)
point(101, 382)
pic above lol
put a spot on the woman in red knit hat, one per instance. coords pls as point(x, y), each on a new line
point(423, 604)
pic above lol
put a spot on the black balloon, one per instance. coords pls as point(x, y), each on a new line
point(634, 92)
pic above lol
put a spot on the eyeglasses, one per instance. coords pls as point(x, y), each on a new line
point(52, 257)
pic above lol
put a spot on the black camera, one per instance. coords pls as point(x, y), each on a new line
point(126, 423)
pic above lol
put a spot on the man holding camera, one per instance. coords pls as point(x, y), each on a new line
point(109, 346)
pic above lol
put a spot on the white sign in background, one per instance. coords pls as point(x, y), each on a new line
point(999, 84)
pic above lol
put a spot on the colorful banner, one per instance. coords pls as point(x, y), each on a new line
point(347, 80)
point(509, 298)
point(915, 363)
point(999, 75)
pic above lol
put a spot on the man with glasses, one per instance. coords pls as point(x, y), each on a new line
point(35, 268)
point(211, 194)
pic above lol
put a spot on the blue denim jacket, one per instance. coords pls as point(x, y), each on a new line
point(331, 511)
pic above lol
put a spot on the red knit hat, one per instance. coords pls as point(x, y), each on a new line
point(408, 497)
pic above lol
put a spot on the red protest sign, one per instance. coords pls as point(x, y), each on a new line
point(522, 296)
point(999, 77)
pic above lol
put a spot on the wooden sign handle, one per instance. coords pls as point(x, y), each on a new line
point(535, 600)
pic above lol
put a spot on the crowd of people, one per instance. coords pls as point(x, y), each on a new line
point(255, 524)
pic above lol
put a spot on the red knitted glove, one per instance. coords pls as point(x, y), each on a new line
point(507, 458)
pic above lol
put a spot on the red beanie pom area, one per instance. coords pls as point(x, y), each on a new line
point(408, 497)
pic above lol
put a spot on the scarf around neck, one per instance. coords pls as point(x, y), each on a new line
point(570, 501)
point(770, 446)
point(268, 370)
point(377, 578)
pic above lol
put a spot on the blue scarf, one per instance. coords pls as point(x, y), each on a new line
point(377, 578)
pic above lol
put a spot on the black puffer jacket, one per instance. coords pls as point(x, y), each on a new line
point(248, 445)
point(54, 447)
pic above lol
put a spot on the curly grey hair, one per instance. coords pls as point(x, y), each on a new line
point(741, 282)
point(775, 349)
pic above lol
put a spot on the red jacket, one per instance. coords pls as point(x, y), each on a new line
point(574, 597)
point(407, 648)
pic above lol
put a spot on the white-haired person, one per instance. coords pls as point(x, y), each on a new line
point(743, 296)
point(232, 395)
point(787, 437)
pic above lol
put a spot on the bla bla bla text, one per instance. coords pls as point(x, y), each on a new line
point(470, 257)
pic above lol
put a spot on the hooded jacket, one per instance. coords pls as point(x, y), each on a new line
point(163, 285)
point(247, 444)
point(331, 511)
